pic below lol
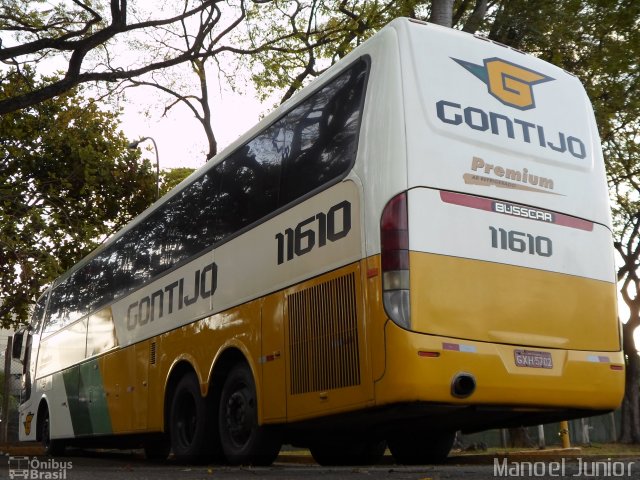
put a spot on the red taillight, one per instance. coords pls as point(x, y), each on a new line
point(394, 246)
point(395, 259)
point(394, 232)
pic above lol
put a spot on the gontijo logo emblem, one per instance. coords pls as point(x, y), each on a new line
point(511, 84)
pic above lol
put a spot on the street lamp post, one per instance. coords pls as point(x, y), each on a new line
point(134, 145)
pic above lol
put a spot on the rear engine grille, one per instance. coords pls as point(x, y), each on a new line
point(323, 336)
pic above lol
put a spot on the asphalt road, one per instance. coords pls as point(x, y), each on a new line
point(129, 465)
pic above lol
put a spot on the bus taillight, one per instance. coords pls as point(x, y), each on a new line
point(394, 239)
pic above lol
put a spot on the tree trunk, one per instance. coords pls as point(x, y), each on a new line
point(630, 431)
point(205, 119)
point(442, 12)
point(477, 16)
point(519, 437)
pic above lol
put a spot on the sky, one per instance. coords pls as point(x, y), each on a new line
point(180, 138)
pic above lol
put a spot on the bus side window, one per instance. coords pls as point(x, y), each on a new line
point(38, 313)
point(323, 133)
point(69, 302)
point(16, 350)
point(63, 349)
point(250, 184)
point(34, 329)
point(191, 219)
point(101, 334)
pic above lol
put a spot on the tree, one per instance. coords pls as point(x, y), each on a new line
point(178, 84)
point(122, 45)
point(197, 103)
point(628, 276)
point(322, 32)
point(67, 180)
point(171, 178)
point(626, 188)
point(82, 34)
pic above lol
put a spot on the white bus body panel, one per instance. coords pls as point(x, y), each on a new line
point(537, 147)
point(381, 162)
point(507, 196)
point(447, 228)
point(459, 130)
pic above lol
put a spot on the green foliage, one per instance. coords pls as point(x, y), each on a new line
point(29, 20)
point(67, 180)
point(170, 178)
point(321, 33)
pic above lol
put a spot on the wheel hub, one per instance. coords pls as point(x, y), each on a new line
point(238, 414)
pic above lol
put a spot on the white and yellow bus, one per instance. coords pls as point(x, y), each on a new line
point(417, 243)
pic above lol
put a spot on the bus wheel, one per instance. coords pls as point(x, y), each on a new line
point(341, 452)
point(244, 442)
point(55, 448)
point(420, 448)
point(190, 421)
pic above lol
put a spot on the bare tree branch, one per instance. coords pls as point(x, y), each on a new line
point(80, 42)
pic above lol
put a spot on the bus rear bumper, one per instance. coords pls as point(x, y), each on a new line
point(538, 383)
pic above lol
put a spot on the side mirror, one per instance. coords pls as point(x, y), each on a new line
point(16, 351)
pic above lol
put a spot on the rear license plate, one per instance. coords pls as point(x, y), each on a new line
point(533, 359)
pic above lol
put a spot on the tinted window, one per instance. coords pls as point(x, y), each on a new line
point(69, 301)
point(190, 219)
point(250, 185)
point(312, 145)
point(322, 135)
point(101, 333)
point(38, 312)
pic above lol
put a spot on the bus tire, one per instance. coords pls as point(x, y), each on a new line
point(191, 422)
point(244, 442)
point(54, 448)
point(420, 448)
point(337, 452)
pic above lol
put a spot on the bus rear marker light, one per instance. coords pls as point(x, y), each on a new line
point(424, 353)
